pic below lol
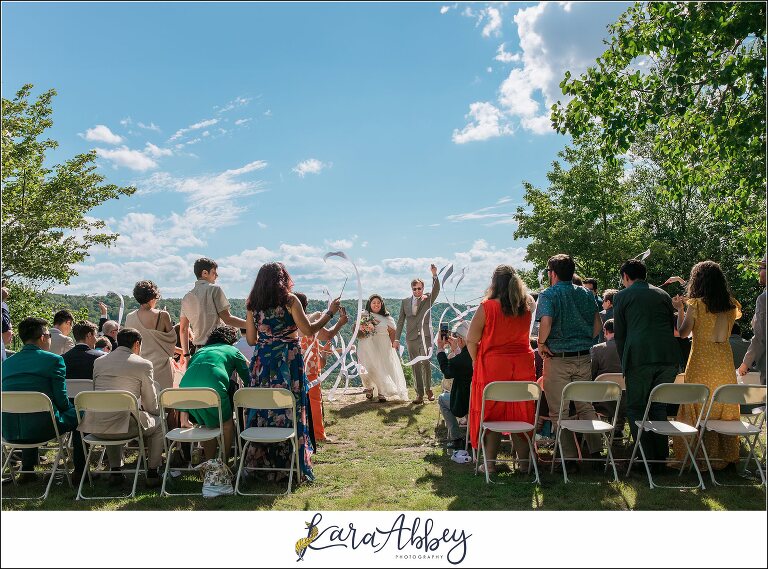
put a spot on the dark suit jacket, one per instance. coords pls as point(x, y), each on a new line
point(605, 358)
point(34, 369)
point(644, 324)
point(79, 361)
point(604, 315)
point(460, 369)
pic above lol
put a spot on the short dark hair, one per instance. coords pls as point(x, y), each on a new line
point(102, 343)
point(608, 325)
point(562, 265)
point(81, 329)
point(204, 264)
point(144, 291)
point(634, 269)
point(127, 337)
point(62, 316)
point(31, 328)
point(576, 279)
point(736, 329)
point(609, 293)
point(592, 282)
point(222, 335)
point(302, 299)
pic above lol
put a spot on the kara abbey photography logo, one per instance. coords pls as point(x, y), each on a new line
point(411, 539)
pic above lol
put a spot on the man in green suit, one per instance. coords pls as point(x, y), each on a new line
point(644, 330)
point(34, 368)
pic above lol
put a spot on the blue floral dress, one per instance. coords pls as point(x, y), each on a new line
point(277, 362)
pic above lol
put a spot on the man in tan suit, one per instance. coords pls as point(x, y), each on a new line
point(126, 370)
point(414, 315)
point(61, 343)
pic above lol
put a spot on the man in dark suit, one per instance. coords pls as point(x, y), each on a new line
point(644, 326)
point(605, 359)
point(79, 360)
point(34, 368)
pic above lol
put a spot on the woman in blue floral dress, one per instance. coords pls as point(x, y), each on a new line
point(274, 316)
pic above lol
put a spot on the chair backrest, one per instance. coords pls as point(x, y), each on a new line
point(741, 394)
point(679, 393)
point(589, 391)
point(264, 398)
point(189, 398)
point(75, 386)
point(111, 401)
point(512, 391)
point(617, 378)
point(680, 378)
point(26, 402)
point(751, 378)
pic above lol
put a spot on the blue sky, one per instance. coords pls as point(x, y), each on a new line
point(399, 133)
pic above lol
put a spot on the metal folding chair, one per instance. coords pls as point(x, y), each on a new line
point(266, 398)
point(509, 392)
point(20, 402)
point(674, 393)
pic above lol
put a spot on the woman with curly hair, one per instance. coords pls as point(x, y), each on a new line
point(158, 336)
point(274, 317)
point(212, 366)
point(711, 312)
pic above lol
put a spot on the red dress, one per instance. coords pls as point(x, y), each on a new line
point(503, 354)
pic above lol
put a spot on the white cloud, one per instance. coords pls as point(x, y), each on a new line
point(493, 27)
point(126, 121)
point(196, 126)
point(444, 9)
point(150, 126)
point(555, 37)
point(262, 225)
point(489, 69)
point(238, 122)
point(235, 103)
point(340, 244)
point(486, 121)
point(488, 213)
point(101, 133)
point(124, 156)
point(206, 133)
point(310, 166)
point(156, 151)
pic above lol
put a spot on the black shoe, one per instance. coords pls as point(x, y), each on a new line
point(153, 479)
point(116, 479)
point(76, 476)
point(26, 478)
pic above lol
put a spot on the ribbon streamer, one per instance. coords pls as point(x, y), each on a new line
point(644, 255)
point(122, 304)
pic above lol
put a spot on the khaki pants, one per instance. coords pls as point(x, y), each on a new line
point(559, 372)
point(422, 374)
point(153, 440)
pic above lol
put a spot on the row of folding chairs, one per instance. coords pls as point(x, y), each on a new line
point(605, 390)
point(116, 401)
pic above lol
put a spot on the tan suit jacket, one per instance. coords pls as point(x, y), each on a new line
point(123, 370)
point(418, 325)
point(60, 344)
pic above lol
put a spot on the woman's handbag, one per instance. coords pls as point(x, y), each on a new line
point(217, 478)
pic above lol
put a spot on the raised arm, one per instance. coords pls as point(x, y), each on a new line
point(300, 317)
point(435, 285)
point(475, 331)
point(685, 318)
point(325, 334)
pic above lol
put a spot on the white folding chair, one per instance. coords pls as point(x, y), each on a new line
point(587, 392)
point(183, 399)
point(111, 401)
point(750, 378)
point(674, 393)
point(266, 398)
point(727, 395)
point(508, 392)
point(75, 386)
point(21, 402)
point(680, 378)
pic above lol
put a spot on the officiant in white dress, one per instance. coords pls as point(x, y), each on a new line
point(383, 377)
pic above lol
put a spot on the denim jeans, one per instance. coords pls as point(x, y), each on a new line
point(444, 401)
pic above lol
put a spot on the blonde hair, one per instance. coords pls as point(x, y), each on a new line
point(510, 290)
point(414, 281)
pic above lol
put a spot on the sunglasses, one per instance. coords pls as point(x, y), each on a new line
point(47, 335)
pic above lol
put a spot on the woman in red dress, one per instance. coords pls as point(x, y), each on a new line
point(499, 343)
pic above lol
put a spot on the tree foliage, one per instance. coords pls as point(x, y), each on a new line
point(45, 226)
point(700, 93)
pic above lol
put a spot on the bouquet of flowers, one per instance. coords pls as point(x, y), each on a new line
point(367, 326)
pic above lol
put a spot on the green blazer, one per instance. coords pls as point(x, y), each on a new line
point(644, 326)
point(34, 369)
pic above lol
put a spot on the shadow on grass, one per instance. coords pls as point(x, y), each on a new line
point(389, 412)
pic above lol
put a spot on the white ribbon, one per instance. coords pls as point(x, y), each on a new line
point(122, 304)
point(644, 255)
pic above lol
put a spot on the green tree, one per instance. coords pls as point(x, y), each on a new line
point(701, 93)
point(45, 226)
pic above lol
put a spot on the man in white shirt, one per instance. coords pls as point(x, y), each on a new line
point(204, 307)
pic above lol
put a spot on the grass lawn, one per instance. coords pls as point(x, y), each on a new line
point(389, 456)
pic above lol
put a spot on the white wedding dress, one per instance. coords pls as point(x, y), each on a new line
point(383, 372)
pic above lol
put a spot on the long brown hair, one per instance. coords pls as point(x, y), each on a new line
point(271, 288)
point(383, 308)
point(708, 283)
point(509, 289)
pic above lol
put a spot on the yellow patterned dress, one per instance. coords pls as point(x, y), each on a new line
point(711, 364)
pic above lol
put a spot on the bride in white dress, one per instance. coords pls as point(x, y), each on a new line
point(383, 377)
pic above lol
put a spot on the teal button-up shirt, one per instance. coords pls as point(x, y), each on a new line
point(572, 309)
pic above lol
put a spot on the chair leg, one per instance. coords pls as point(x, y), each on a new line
point(290, 472)
point(240, 467)
point(87, 472)
point(634, 450)
point(752, 445)
point(533, 456)
point(695, 466)
point(168, 452)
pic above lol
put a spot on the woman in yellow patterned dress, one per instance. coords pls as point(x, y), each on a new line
point(710, 315)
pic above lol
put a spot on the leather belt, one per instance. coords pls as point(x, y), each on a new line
point(570, 354)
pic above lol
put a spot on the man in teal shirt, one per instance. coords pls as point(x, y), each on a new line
point(569, 325)
point(34, 368)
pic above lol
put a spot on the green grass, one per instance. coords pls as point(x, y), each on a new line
point(388, 456)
